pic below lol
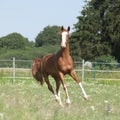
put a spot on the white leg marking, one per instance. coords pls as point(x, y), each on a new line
point(68, 101)
point(59, 94)
point(60, 102)
point(58, 99)
point(67, 96)
point(85, 95)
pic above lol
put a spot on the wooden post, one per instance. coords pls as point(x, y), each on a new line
point(13, 69)
point(83, 70)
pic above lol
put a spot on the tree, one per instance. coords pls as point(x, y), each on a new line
point(112, 30)
point(97, 30)
point(14, 41)
point(75, 47)
point(48, 36)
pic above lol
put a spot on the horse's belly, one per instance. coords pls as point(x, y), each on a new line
point(51, 71)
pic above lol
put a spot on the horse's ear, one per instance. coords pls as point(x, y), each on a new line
point(68, 28)
point(62, 28)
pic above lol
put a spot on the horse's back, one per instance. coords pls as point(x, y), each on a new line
point(49, 65)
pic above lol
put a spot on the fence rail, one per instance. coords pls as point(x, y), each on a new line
point(21, 69)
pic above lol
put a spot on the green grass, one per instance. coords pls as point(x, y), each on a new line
point(27, 100)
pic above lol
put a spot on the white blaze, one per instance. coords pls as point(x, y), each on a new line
point(64, 35)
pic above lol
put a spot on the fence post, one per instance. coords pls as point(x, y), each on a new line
point(13, 69)
point(94, 74)
point(83, 70)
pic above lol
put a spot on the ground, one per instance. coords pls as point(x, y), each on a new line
point(27, 100)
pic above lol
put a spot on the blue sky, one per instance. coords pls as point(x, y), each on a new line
point(29, 17)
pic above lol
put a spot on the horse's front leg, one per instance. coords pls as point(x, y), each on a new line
point(57, 95)
point(75, 77)
point(65, 88)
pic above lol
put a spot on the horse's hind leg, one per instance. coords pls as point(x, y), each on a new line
point(49, 85)
point(75, 77)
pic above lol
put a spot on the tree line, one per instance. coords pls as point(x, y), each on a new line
point(96, 35)
point(97, 31)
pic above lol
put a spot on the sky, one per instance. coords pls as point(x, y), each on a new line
point(30, 17)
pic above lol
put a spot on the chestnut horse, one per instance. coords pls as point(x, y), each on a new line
point(57, 65)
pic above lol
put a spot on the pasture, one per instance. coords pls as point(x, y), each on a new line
point(27, 100)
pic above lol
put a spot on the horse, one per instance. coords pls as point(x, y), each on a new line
point(57, 65)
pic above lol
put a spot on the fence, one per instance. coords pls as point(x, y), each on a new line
point(15, 69)
point(21, 69)
point(100, 71)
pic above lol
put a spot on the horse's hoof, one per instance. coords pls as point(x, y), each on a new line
point(86, 97)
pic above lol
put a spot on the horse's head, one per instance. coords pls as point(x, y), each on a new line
point(64, 35)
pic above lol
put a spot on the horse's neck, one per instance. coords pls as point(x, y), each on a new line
point(64, 52)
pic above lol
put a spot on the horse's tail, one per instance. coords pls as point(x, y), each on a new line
point(36, 70)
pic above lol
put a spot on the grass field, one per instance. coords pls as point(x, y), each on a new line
point(27, 100)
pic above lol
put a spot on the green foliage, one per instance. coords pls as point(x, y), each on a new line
point(108, 60)
point(97, 30)
point(48, 36)
point(28, 53)
point(74, 48)
point(14, 41)
point(15, 45)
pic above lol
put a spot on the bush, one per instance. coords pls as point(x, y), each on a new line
point(105, 62)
